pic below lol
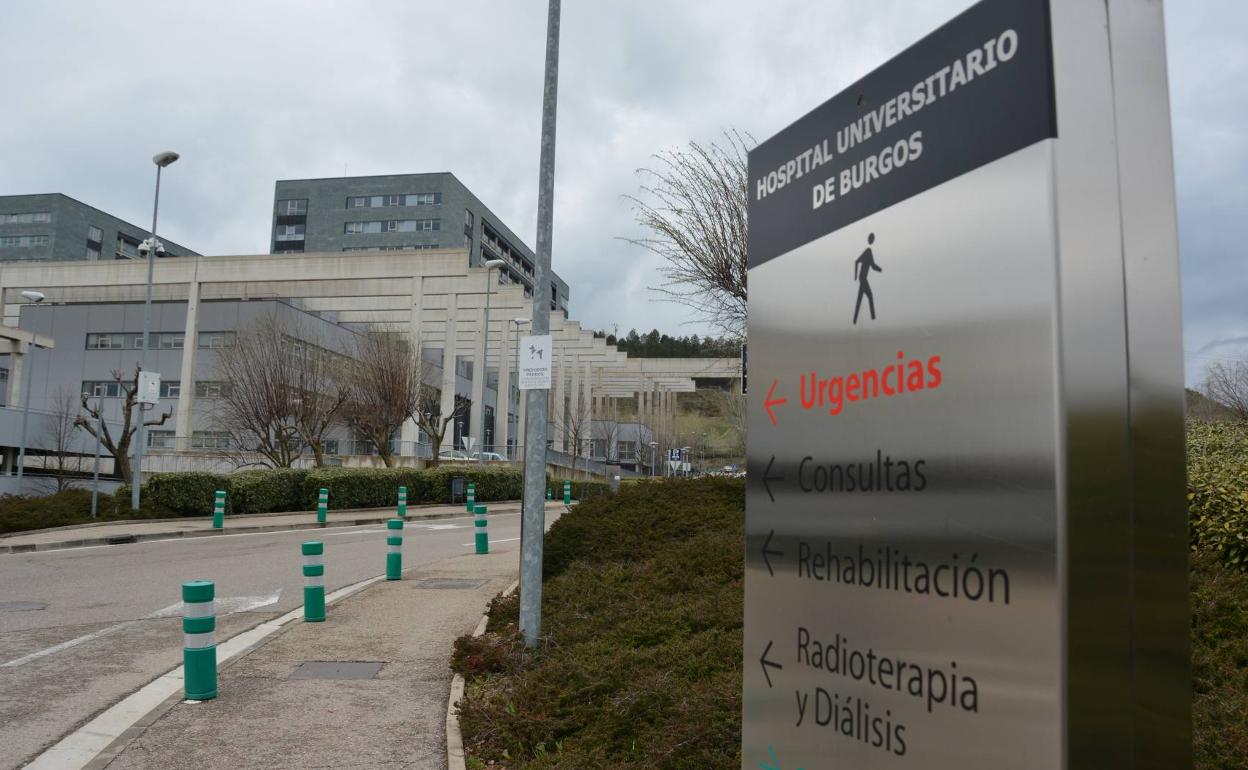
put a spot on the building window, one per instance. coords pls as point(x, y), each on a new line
point(127, 247)
point(293, 206)
point(93, 252)
point(211, 389)
point(161, 439)
point(424, 199)
point(94, 234)
point(23, 241)
point(26, 218)
point(216, 340)
point(102, 388)
point(106, 341)
point(392, 226)
point(626, 450)
point(329, 446)
point(170, 388)
point(210, 439)
point(171, 341)
point(290, 232)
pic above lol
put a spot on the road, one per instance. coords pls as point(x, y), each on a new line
point(82, 628)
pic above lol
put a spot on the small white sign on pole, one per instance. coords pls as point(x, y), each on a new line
point(149, 388)
point(535, 364)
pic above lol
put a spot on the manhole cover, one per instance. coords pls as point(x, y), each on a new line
point(336, 669)
point(450, 583)
point(22, 606)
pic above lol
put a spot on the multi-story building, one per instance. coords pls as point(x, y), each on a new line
point(401, 212)
point(55, 227)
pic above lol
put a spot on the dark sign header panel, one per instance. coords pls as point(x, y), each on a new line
point(973, 91)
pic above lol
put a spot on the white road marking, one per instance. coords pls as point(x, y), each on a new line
point(225, 606)
point(504, 540)
point(444, 526)
point(66, 645)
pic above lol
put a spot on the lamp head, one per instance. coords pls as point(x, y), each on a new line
point(521, 321)
point(490, 264)
point(33, 296)
point(165, 158)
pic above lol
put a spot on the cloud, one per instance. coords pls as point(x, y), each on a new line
point(253, 92)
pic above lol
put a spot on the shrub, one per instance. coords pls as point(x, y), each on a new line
point(19, 513)
point(640, 662)
point(581, 490)
point(1217, 490)
point(1219, 665)
point(266, 491)
point(184, 494)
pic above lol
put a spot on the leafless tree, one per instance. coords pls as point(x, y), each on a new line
point(118, 446)
point(693, 205)
point(257, 408)
point(731, 406)
point(64, 461)
point(606, 428)
point(428, 414)
point(387, 388)
point(1227, 384)
point(577, 419)
point(320, 387)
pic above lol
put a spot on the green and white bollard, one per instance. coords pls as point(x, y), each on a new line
point(549, 495)
point(218, 510)
point(199, 645)
point(394, 549)
point(402, 502)
point(322, 505)
point(567, 493)
point(313, 581)
point(483, 535)
point(471, 500)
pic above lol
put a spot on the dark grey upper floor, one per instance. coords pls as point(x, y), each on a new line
point(399, 212)
point(54, 226)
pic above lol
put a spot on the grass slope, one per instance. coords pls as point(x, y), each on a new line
point(640, 664)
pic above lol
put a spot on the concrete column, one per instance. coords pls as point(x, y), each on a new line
point(409, 434)
point(559, 412)
point(190, 348)
point(587, 406)
point(17, 375)
point(575, 414)
point(520, 426)
point(502, 409)
point(448, 362)
point(642, 406)
point(480, 369)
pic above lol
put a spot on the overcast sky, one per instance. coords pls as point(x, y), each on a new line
point(251, 92)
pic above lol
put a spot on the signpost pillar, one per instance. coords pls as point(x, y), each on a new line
point(965, 506)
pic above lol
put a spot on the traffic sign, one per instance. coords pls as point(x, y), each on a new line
point(964, 507)
point(535, 363)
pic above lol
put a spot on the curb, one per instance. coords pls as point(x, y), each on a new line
point(176, 534)
point(98, 742)
point(455, 759)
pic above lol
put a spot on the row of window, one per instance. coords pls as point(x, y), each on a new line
point(23, 241)
point(381, 201)
point(410, 247)
point(292, 206)
point(213, 440)
point(168, 389)
point(289, 232)
point(393, 226)
point(163, 340)
point(26, 218)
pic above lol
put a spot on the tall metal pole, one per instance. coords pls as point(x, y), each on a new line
point(95, 478)
point(136, 474)
point(533, 519)
point(21, 451)
point(485, 361)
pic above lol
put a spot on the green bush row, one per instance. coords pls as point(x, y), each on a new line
point(1217, 490)
point(73, 506)
point(288, 489)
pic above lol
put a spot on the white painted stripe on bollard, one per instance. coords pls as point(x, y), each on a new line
point(396, 549)
point(199, 641)
point(314, 580)
point(198, 609)
point(318, 558)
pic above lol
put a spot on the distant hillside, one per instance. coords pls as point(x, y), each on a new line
point(1203, 409)
point(656, 345)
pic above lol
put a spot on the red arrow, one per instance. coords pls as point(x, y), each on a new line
point(769, 402)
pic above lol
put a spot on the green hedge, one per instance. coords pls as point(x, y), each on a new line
point(1217, 490)
point(581, 490)
point(73, 506)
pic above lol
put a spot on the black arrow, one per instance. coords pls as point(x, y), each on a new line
point(767, 663)
point(768, 478)
point(769, 552)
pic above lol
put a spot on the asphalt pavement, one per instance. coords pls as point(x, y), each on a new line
point(82, 628)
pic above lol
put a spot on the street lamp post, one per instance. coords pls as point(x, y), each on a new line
point(95, 476)
point(154, 248)
point(35, 297)
point(654, 456)
point(517, 322)
point(490, 264)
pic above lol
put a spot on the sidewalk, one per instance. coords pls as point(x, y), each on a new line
point(115, 533)
point(266, 716)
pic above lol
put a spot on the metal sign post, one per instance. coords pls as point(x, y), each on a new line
point(965, 517)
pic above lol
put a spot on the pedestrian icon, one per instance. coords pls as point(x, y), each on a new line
point(535, 352)
point(862, 269)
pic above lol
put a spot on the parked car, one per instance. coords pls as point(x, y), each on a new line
point(452, 454)
point(489, 456)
